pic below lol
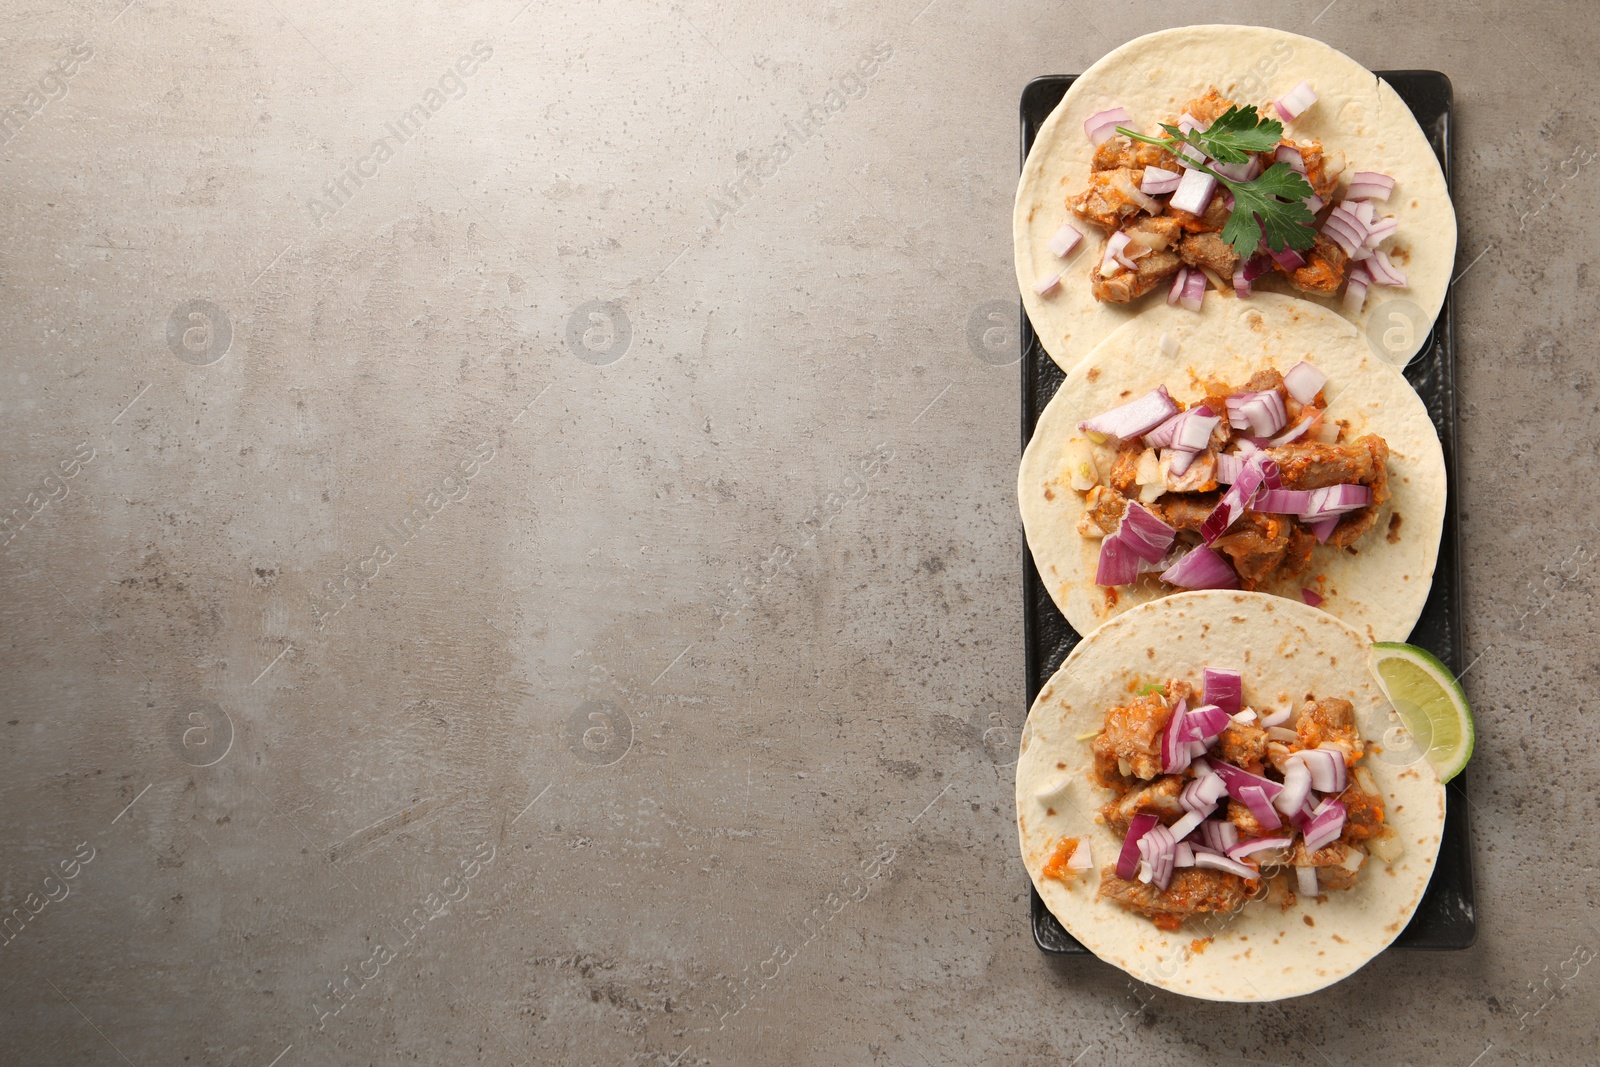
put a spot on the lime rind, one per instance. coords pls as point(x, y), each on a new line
point(1440, 714)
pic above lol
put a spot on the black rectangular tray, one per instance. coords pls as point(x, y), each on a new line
point(1446, 918)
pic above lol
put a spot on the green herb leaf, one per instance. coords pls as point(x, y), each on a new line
point(1237, 132)
point(1287, 221)
point(1152, 687)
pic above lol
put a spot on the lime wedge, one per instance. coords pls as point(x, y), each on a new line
point(1430, 703)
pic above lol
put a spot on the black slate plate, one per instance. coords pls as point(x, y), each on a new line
point(1446, 918)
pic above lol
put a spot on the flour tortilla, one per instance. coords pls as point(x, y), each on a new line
point(1356, 113)
point(1380, 588)
point(1285, 651)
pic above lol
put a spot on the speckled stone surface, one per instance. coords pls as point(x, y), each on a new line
point(514, 555)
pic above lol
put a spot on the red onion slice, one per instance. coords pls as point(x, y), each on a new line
point(1277, 718)
point(1113, 259)
point(1292, 156)
point(1313, 203)
point(1178, 281)
point(1355, 292)
point(1045, 284)
point(1310, 597)
point(1118, 563)
point(1384, 272)
point(1292, 104)
point(1306, 881)
point(1256, 266)
point(1295, 432)
point(1186, 825)
point(1239, 172)
point(1336, 500)
point(1205, 722)
point(1325, 826)
point(1224, 688)
point(1174, 747)
point(1381, 231)
point(1187, 122)
point(1065, 240)
point(1238, 780)
point(1255, 798)
point(1304, 381)
point(1158, 848)
point(1134, 418)
point(1370, 185)
point(1103, 124)
point(1296, 787)
point(1201, 568)
point(1223, 863)
point(1259, 844)
point(1228, 466)
point(1282, 501)
point(1262, 413)
point(1194, 192)
point(1082, 859)
point(1146, 535)
point(1128, 860)
point(1323, 527)
point(1194, 290)
point(1288, 260)
point(1183, 855)
point(1233, 503)
point(1158, 181)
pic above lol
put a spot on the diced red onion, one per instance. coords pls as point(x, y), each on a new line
point(1381, 231)
point(1201, 568)
point(1363, 211)
point(1223, 687)
point(1223, 863)
point(1194, 290)
point(1045, 284)
point(1304, 381)
point(1294, 432)
point(1326, 768)
point(1065, 240)
point(1336, 500)
point(1113, 257)
point(1118, 563)
point(1082, 859)
point(1279, 733)
point(1259, 844)
point(1193, 433)
point(1194, 192)
point(1282, 501)
point(1178, 281)
point(1325, 826)
point(1182, 855)
point(1177, 462)
point(1241, 284)
point(1187, 122)
point(1277, 718)
point(1370, 185)
point(1239, 172)
point(1245, 717)
point(1323, 527)
point(1355, 292)
point(1169, 344)
point(1233, 503)
point(1200, 768)
point(1306, 881)
point(1102, 124)
point(1384, 272)
point(1311, 597)
point(1255, 798)
point(1128, 860)
point(1206, 721)
point(1174, 746)
point(1313, 203)
point(1292, 104)
point(1134, 418)
point(1296, 787)
point(1256, 266)
point(1262, 413)
point(1292, 156)
point(1238, 779)
point(1146, 535)
point(1228, 466)
point(1158, 181)
point(1345, 230)
point(1158, 848)
point(1186, 825)
point(1288, 259)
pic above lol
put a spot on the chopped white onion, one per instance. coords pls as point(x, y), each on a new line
point(1194, 192)
point(1292, 104)
point(1304, 381)
point(1103, 124)
point(1065, 240)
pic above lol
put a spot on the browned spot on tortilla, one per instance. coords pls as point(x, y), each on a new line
point(1198, 945)
point(1150, 653)
point(1125, 392)
point(1094, 374)
point(1205, 628)
point(1052, 811)
point(1333, 661)
point(1339, 939)
point(1393, 927)
point(1049, 493)
point(1060, 766)
point(1394, 528)
point(1111, 596)
point(1352, 550)
point(1400, 254)
point(1308, 920)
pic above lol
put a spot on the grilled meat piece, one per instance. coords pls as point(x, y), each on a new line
point(1125, 468)
point(1363, 814)
point(1119, 151)
point(1241, 816)
point(1193, 891)
point(1324, 268)
point(1106, 201)
point(1126, 285)
point(1159, 798)
point(1256, 544)
point(1337, 864)
point(1364, 461)
point(1244, 744)
point(1199, 477)
point(1214, 219)
point(1106, 507)
point(1185, 511)
point(1209, 107)
point(1209, 250)
point(1157, 232)
point(1316, 161)
point(1329, 721)
point(1131, 737)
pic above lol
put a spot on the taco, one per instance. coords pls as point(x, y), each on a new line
point(1258, 446)
point(1200, 802)
point(1330, 191)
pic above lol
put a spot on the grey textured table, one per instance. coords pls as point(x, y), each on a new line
point(514, 557)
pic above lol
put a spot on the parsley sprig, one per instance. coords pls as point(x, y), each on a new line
point(1273, 204)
